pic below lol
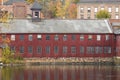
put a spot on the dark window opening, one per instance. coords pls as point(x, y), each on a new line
point(73, 49)
point(21, 49)
point(47, 37)
point(37, 14)
point(47, 49)
point(56, 49)
point(39, 49)
point(21, 37)
point(73, 37)
point(30, 49)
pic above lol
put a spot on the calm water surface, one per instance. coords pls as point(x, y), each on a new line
point(60, 72)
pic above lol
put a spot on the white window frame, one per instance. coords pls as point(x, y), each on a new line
point(89, 37)
point(81, 37)
point(96, 9)
point(116, 17)
point(12, 37)
point(30, 37)
point(107, 37)
point(35, 14)
point(39, 36)
point(81, 10)
point(116, 9)
point(109, 9)
point(102, 8)
point(98, 37)
point(88, 9)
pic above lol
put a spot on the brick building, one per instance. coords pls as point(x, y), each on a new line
point(17, 8)
point(87, 9)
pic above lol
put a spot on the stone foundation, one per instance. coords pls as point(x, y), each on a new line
point(70, 60)
point(117, 60)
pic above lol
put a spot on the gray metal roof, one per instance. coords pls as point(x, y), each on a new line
point(36, 6)
point(115, 23)
point(10, 2)
point(99, 1)
point(117, 31)
point(57, 26)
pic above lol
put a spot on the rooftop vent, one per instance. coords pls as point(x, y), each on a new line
point(36, 12)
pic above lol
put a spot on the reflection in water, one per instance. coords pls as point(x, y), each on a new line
point(60, 72)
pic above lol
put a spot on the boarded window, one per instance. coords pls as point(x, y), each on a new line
point(64, 49)
point(56, 49)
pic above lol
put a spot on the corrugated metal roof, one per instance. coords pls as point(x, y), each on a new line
point(57, 26)
point(115, 23)
point(10, 2)
point(117, 31)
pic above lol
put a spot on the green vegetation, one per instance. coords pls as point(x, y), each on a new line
point(103, 14)
point(58, 8)
point(9, 57)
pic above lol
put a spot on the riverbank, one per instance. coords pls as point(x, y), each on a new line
point(117, 60)
point(70, 60)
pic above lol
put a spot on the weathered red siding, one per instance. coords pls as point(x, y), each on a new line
point(118, 45)
point(34, 43)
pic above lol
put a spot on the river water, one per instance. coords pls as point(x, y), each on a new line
point(60, 72)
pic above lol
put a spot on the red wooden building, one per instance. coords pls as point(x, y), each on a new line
point(61, 38)
point(116, 28)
